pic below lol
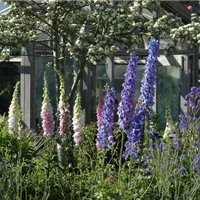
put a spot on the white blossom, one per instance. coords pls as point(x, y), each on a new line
point(13, 112)
point(78, 120)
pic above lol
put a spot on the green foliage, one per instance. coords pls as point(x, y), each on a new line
point(29, 168)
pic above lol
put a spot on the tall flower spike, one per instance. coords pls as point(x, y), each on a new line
point(78, 120)
point(99, 110)
point(105, 133)
point(146, 101)
point(13, 112)
point(47, 111)
point(125, 109)
point(64, 112)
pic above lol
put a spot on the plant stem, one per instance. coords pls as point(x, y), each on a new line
point(120, 158)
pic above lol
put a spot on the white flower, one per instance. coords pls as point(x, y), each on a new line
point(13, 112)
point(78, 120)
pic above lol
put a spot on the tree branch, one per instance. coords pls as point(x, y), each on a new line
point(83, 65)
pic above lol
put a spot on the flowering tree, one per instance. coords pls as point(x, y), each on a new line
point(86, 30)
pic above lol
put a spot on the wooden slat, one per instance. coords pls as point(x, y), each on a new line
point(177, 8)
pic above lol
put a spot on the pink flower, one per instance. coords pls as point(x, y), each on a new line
point(65, 119)
point(47, 112)
point(99, 109)
point(190, 8)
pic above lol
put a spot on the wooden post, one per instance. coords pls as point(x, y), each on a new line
point(110, 70)
point(27, 90)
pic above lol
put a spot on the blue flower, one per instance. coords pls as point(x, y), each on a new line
point(125, 109)
point(31, 165)
point(106, 125)
point(144, 164)
point(176, 145)
point(183, 170)
point(145, 103)
point(13, 183)
point(191, 117)
point(196, 159)
point(149, 172)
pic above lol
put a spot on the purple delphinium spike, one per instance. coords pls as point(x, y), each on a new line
point(106, 125)
point(143, 108)
point(125, 109)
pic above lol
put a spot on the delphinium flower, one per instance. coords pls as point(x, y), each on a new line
point(105, 133)
point(47, 111)
point(13, 112)
point(78, 120)
point(191, 118)
point(125, 108)
point(64, 112)
point(145, 103)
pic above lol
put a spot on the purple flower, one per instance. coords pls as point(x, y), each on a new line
point(125, 109)
point(13, 183)
point(9, 166)
point(149, 172)
point(191, 117)
point(176, 145)
point(31, 165)
point(148, 82)
point(183, 170)
point(196, 159)
point(106, 125)
point(144, 164)
point(145, 103)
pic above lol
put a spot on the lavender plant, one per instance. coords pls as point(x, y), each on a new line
point(190, 120)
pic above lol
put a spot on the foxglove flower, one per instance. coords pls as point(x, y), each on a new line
point(125, 109)
point(78, 120)
point(105, 133)
point(99, 110)
point(64, 112)
point(145, 103)
point(47, 111)
point(13, 112)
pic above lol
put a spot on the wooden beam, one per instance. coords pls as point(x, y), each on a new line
point(177, 8)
